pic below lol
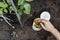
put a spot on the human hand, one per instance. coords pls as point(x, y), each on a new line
point(47, 25)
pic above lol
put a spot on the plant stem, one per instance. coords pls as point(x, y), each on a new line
point(16, 13)
point(4, 1)
point(6, 20)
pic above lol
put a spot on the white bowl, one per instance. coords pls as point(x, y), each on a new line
point(34, 28)
point(45, 15)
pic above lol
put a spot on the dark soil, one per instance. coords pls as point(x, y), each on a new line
point(27, 33)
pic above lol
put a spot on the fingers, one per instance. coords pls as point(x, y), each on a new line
point(44, 21)
point(42, 26)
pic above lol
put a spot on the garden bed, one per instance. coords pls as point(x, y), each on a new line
point(27, 33)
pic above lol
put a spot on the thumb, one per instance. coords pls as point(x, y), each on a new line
point(42, 26)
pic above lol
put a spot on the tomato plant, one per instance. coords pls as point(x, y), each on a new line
point(23, 6)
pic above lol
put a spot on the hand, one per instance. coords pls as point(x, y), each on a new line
point(47, 26)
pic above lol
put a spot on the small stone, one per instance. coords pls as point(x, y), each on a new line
point(1, 19)
point(16, 35)
point(13, 27)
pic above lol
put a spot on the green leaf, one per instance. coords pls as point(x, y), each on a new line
point(1, 12)
point(26, 12)
point(29, 0)
point(13, 33)
point(20, 2)
point(27, 8)
point(3, 5)
point(20, 12)
point(11, 9)
point(8, 1)
point(21, 7)
point(5, 10)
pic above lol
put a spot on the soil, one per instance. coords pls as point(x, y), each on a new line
point(27, 33)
